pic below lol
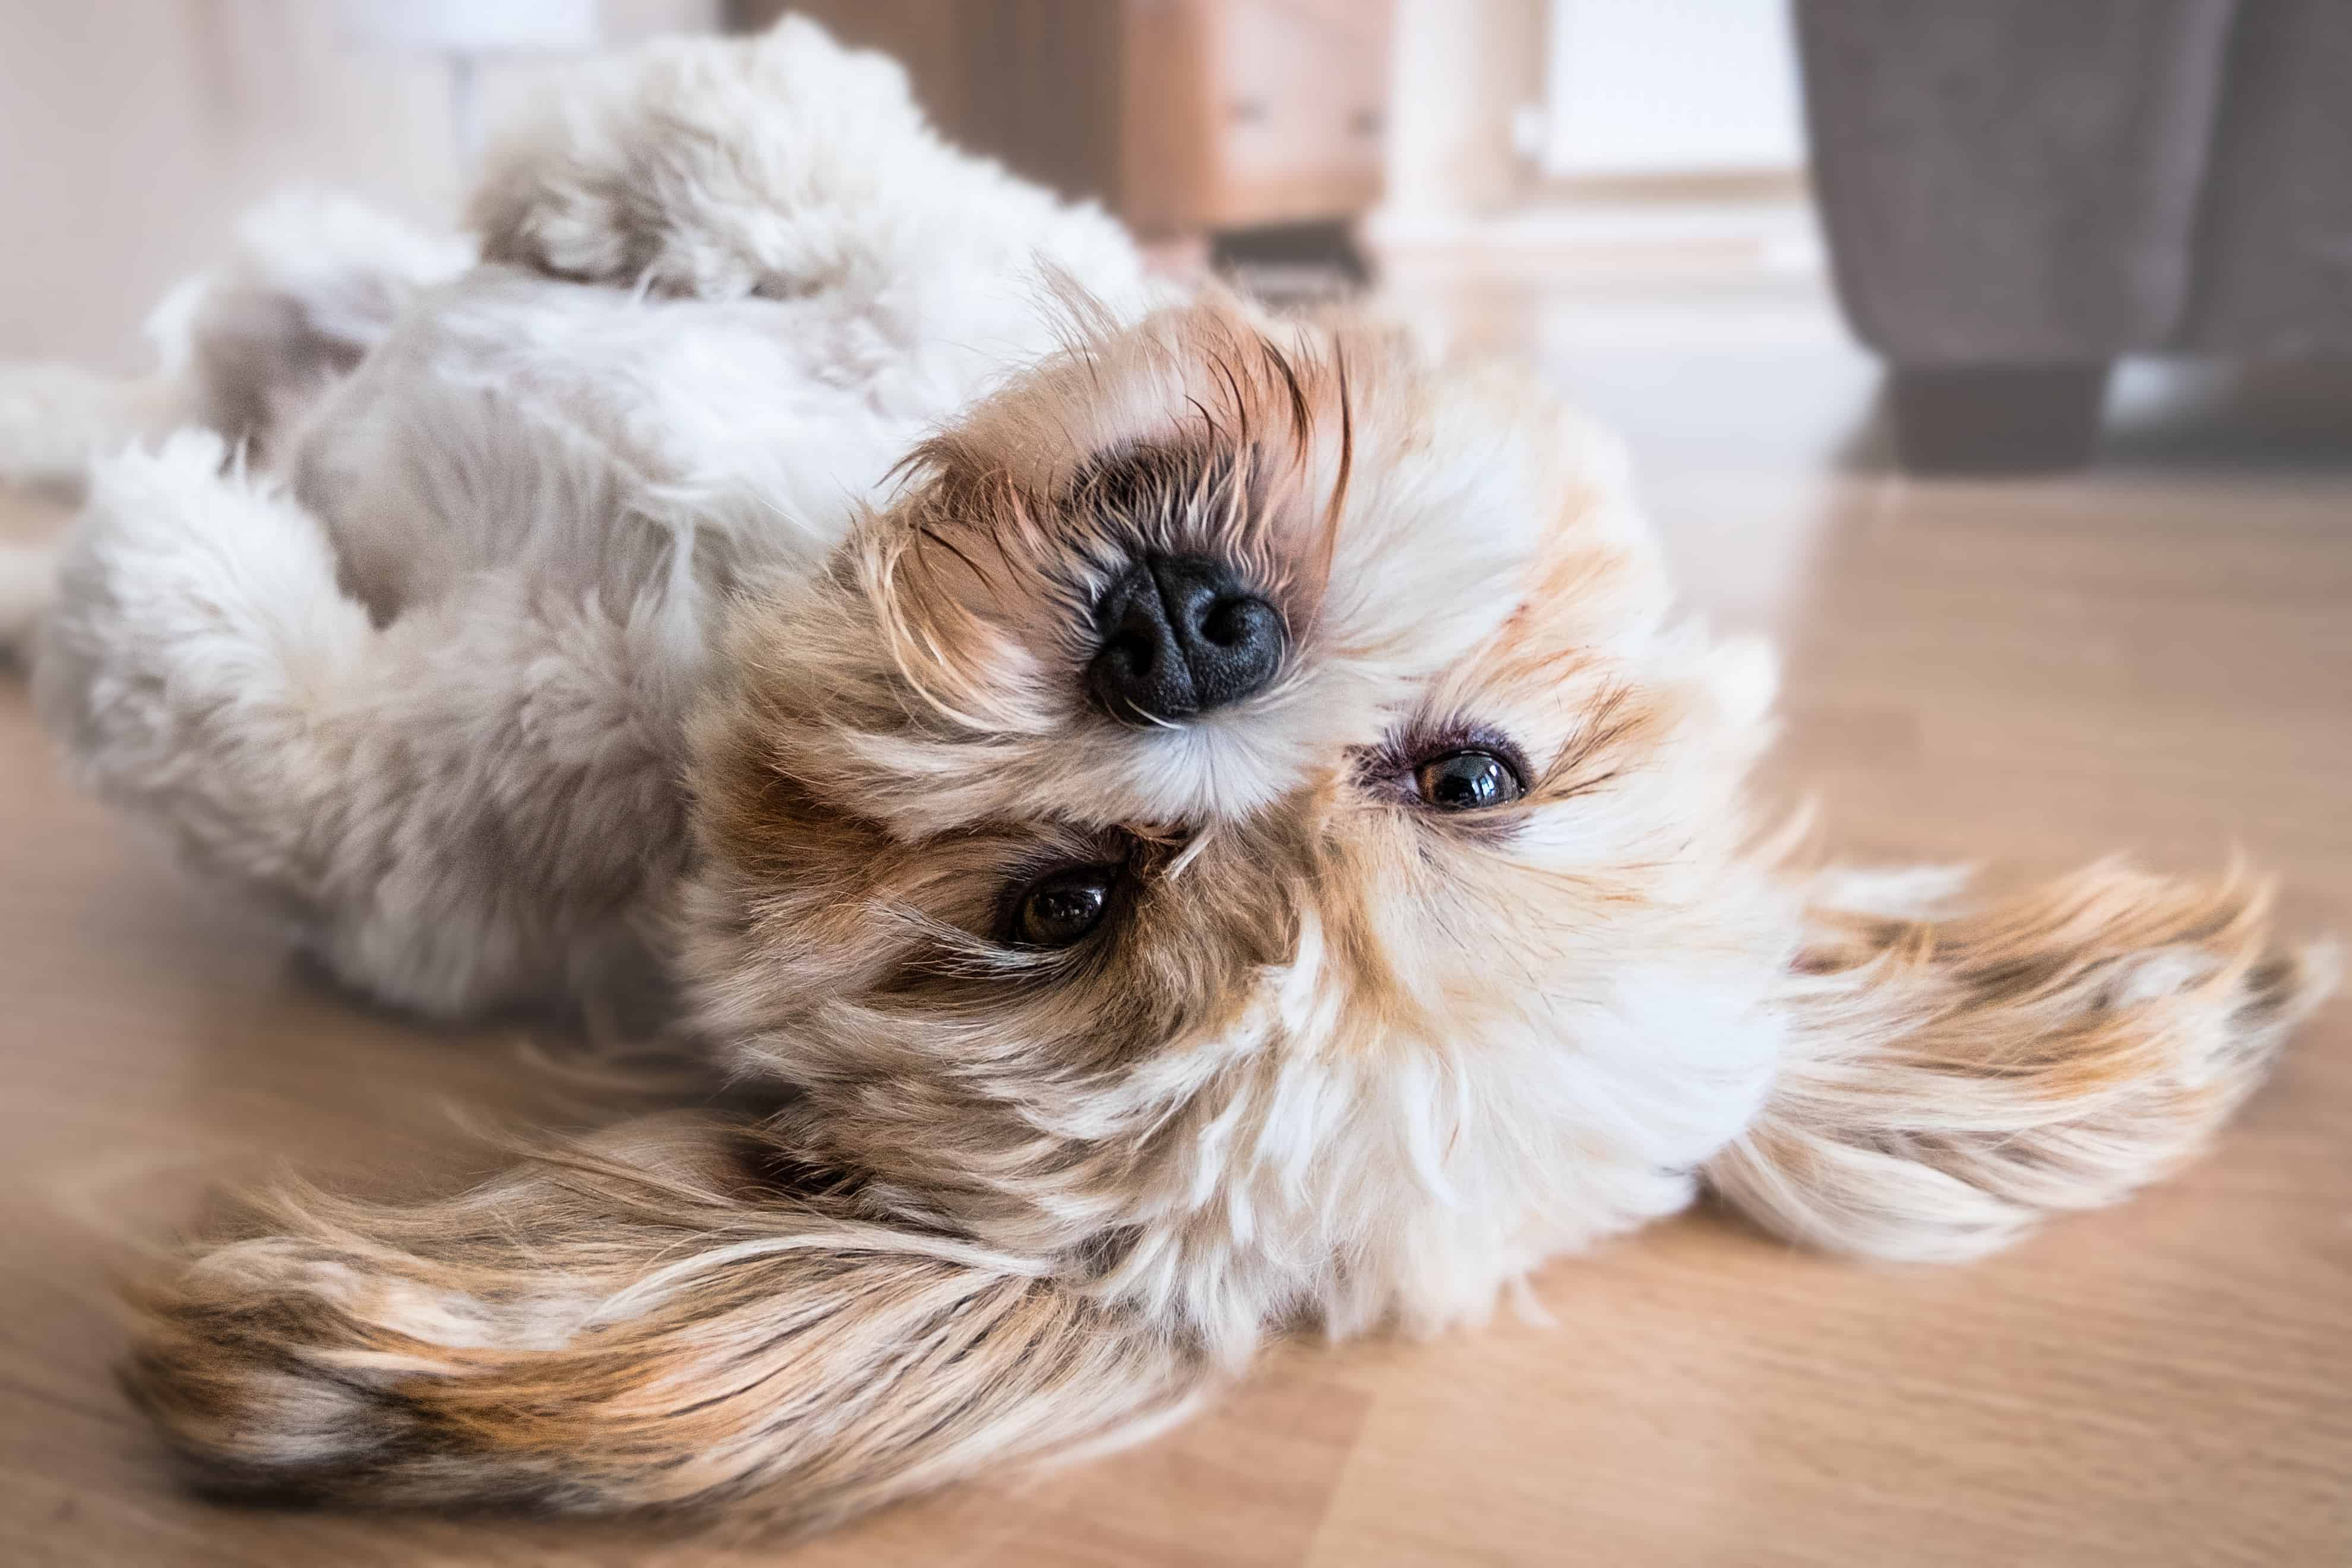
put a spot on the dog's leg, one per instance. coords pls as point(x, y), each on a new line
point(452, 809)
point(782, 165)
point(646, 1321)
point(1953, 1078)
point(315, 281)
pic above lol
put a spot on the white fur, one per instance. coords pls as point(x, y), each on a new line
point(483, 568)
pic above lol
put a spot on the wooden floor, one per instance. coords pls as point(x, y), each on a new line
point(2155, 657)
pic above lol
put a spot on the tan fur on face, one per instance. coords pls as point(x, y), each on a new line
point(1200, 434)
point(907, 737)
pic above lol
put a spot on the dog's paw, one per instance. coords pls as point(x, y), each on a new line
point(189, 599)
point(707, 168)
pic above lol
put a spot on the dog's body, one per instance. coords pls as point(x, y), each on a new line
point(1223, 835)
point(468, 601)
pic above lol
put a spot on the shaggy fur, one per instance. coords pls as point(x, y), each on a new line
point(462, 607)
point(778, 449)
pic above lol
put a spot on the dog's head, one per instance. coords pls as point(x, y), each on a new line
point(1243, 818)
point(1231, 713)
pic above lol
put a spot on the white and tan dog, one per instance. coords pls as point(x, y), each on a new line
point(1203, 822)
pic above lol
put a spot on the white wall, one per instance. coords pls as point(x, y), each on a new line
point(1647, 87)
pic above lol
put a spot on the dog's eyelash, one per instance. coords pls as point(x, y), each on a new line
point(1387, 768)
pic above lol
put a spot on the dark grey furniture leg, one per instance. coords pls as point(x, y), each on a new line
point(1995, 418)
point(2010, 190)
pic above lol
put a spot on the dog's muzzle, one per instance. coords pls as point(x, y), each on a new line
point(1180, 637)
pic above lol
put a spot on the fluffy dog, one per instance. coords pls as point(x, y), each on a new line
point(1202, 824)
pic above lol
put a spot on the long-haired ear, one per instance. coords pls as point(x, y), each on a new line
point(649, 1320)
point(1952, 1078)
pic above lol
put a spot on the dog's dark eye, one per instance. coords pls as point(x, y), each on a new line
point(1064, 908)
point(1467, 781)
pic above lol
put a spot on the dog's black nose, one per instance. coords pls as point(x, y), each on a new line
point(1182, 636)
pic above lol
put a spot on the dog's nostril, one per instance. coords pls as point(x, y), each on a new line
point(1182, 636)
point(1230, 623)
point(1132, 653)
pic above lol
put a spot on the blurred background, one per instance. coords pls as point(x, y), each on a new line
point(1990, 354)
point(2006, 237)
point(2009, 199)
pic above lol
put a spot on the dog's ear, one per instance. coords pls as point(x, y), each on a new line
point(646, 1321)
point(1951, 1078)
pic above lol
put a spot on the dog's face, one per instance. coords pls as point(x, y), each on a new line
point(1225, 706)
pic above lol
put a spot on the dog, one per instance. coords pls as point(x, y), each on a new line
point(1197, 825)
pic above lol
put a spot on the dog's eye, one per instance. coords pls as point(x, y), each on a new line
point(1467, 781)
point(1061, 909)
